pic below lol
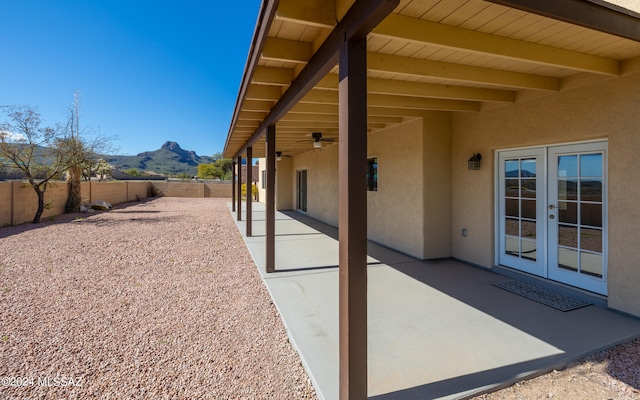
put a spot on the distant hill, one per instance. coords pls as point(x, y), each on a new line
point(170, 159)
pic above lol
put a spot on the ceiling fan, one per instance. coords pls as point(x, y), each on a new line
point(317, 139)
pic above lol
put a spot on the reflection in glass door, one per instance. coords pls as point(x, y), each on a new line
point(577, 215)
point(521, 197)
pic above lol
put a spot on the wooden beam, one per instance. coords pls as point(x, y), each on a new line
point(233, 186)
point(462, 73)
point(431, 90)
point(270, 201)
point(251, 116)
point(592, 14)
point(319, 13)
point(263, 92)
point(427, 32)
point(352, 220)
point(249, 191)
point(418, 103)
point(286, 50)
point(272, 76)
point(314, 109)
point(262, 106)
point(359, 20)
point(333, 118)
point(239, 183)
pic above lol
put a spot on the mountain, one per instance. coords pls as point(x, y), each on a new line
point(170, 159)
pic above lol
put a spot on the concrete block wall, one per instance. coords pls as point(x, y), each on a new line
point(137, 190)
point(111, 192)
point(179, 189)
point(19, 202)
point(6, 203)
point(191, 189)
point(22, 202)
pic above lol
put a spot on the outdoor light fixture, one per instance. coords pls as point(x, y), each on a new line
point(317, 139)
point(474, 162)
point(278, 156)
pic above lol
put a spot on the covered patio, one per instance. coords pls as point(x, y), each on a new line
point(436, 329)
point(404, 91)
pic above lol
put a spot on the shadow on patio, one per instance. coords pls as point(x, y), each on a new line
point(437, 329)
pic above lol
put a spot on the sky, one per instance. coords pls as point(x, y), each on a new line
point(147, 71)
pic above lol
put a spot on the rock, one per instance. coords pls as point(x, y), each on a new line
point(100, 205)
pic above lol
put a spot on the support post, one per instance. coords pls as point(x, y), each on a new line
point(249, 189)
point(270, 223)
point(352, 227)
point(239, 215)
point(233, 186)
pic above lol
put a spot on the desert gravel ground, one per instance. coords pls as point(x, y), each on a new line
point(153, 300)
point(613, 374)
point(161, 300)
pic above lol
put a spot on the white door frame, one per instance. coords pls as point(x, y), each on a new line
point(546, 219)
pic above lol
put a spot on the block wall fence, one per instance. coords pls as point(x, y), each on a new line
point(19, 202)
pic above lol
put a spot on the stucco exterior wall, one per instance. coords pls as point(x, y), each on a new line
point(607, 110)
point(284, 185)
point(396, 211)
point(322, 182)
point(436, 163)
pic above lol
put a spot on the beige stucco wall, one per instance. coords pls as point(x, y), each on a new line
point(284, 184)
point(607, 110)
point(322, 182)
point(436, 159)
point(395, 211)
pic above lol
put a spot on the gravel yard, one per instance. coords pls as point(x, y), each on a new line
point(157, 299)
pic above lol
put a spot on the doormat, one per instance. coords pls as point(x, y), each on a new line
point(542, 295)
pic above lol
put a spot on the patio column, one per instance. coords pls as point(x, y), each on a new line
point(352, 227)
point(249, 188)
point(239, 215)
point(270, 217)
point(233, 186)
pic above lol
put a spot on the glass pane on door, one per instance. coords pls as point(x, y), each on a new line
point(520, 207)
point(579, 226)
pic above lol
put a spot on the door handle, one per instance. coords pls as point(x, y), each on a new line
point(552, 207)
point(551, 216)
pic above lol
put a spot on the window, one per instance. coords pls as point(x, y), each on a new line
point(372, 174)
point(264, 179)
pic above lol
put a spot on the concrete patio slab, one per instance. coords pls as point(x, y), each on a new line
point(437, 329)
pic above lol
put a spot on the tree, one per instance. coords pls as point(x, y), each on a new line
point(226, 165)
point(219, 169)
point(40, 153)
point(132, 172)
point(96, 167)
point(83, 152)
point(184, 176)
point(208, 171)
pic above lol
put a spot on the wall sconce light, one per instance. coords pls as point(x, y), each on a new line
point(474, 162)
point(278, 156)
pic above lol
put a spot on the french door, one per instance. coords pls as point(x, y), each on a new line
point(552, 204)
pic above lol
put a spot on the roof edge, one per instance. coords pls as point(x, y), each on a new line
point(266, 15)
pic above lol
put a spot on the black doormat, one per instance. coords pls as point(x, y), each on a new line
point(542, 295)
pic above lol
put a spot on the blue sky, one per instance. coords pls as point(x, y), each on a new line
point(147, 71)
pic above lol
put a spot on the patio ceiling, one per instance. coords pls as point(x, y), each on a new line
point(428, 55)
